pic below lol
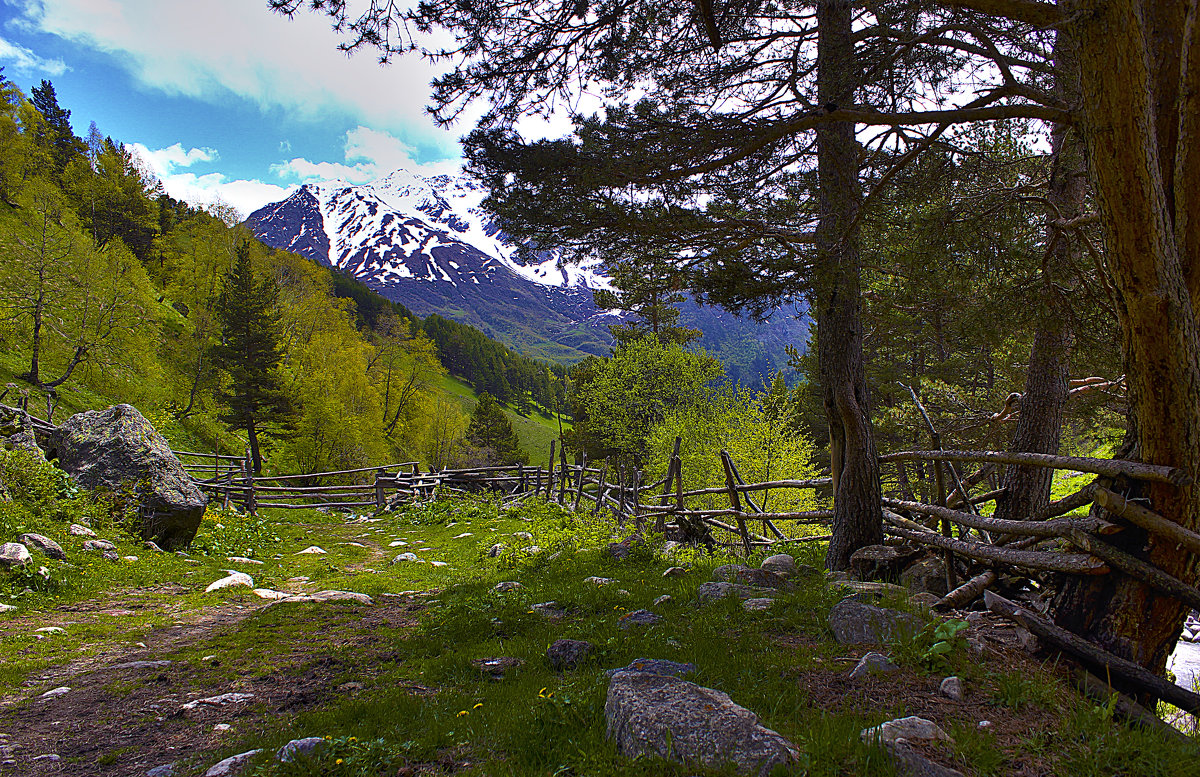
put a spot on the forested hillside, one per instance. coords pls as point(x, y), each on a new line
point(112, 291)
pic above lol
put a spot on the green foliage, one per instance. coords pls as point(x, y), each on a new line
point(230, 533)
point(492, 434)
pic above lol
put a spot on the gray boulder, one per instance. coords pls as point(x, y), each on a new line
point(760, 578)
point(713, 592)
point(873, 663)
point(664, 716)
point(14, 554)
point(44, 544)
point(926, 576)
point(118, 450)
point(781, 564)
point(881, 562)
point(297, 747)
point(655, 666)
point(639, 618)
point(568, 653)
point(856, 623)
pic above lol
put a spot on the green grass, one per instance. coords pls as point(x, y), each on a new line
point(535, 431)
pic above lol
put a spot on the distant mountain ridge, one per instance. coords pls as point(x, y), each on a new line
point(428, 244)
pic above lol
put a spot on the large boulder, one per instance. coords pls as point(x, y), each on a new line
point(664, 716)
point(882, 562)
point(759, 578)
point(857, 623)
point(118, 450)
point(926, 576)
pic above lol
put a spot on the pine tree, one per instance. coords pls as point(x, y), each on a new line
point(250, 352)
point(493, 433)
point(59, 139)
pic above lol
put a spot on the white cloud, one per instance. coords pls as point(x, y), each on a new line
point(164, 161)
point(369, 155)
point(208, 50)
point(27, 63)
point(246, 196)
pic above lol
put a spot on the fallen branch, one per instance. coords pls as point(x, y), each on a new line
point(967, 592)
point(1135, 567)
point(1147, 519)
point(1047, 561)
point(1110, 467)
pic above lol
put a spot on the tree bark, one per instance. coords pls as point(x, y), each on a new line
point(1127, 73)
point(1039, 426)
point(255, 453)
point(854, 461)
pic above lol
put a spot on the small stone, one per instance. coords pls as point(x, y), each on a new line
point(462, 536)
point(208, 658)
point(51, 630)
point(311, 550)
point(219, 700)
point(351, 686)
point(231, 765)
point(639, 618)
point(757, 605)
point(243, 560)
point(267, 593)
point(836, 577)
point(166, 770)
point(76, 530)
point(47, 758)
point(496, 550)
point(54, 693)
point(396, 544)
point(506, 586)
point(566, 654)
point(234, 579)
point(296, 747)
point(924, 599)
point(44, 544)
point(781, 564)
point(548, 610)
point(872, 663)
point(664, 599)
point(655, 666)
point(7, 608)
point(675, 572)
point(439, 564)
point(621, 550)
point(522, 535)
point(708, 593)
point(985, 724)
point(130, 559)
point(597, 580)
point(495, 668)
point(150, 545)
point(110, 555)
point(408, 557)
point(853, 622)
point(951, 688)
point(906, 729)
point(341, 596)
point(297, 579)
point(222, 727)
point(98, 545)
point(14, 554)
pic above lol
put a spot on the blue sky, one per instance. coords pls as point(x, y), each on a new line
point(224, 99)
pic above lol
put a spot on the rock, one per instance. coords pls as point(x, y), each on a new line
point(655, 666)
point(927, 575)
point(463, 535)
point(639, 618)
point(951, 688)
point(836, 577)
point(17, 431)
point(496, 550)
point(708, 593)
point(439, 564)
point(217, 701)
point(243, 560)
point(548, 610)
point(166, 770)
point(881, 562)
point(51, 630)
point(496, 668)
point(506, 586)
point(47, 758)
point(757, 605)
point(398, 544)
point(621, 550)
point(130, 559)
point(341, 596)
point(54, 693)
point(910, 729)
point(673, 719)
point(312, 550)
point(597, 580)
point(664, 599)
point(675, 572)
point(522, 535)
point(305, 746)
point(110, 555)
point(232, 765)
point(99, 545)
point(148, 545)
point(759, 578)
point(117, 450)
point(232, 580)
point(141, 665)
point(7, 608)
point(856, 623)
point(670, 546)
point(403, 557)
point(910, 763)
point(872, 663)
point(568, 653)
point(80, 531)
point(267, 593)
point(44, 544)
point(222, 727)
point(781, 564)
point(925, 599)
point(14, 554)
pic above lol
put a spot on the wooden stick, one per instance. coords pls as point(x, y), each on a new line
point(1072, 563)
point(1147, 519)
point(1135, 567)
point(1138, 675)
point(735, 501)
point(600, 487)
point(283, 506)
point(967, 592)
point(1083, 496)
point(1110, 467)
point(1059, 527)
point(579, 490)
point(736, 530)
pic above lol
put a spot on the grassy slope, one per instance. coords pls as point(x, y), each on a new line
point(535, 431)
point(424, 707)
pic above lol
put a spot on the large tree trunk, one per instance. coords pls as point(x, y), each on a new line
point(1039, 425)
point(1139, 119)
point(854, 462)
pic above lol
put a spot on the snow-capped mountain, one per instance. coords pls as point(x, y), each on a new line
point(427, 243)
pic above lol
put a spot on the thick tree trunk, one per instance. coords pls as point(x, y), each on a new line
point(1131, 100)
point(1039, 425)
point(854, 462)
point(255, 453)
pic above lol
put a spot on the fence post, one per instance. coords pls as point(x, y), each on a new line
point(621, 494)
point(228, 489)
point(637, 500)
point(251, 502)
point(600, 486)
point(550, 474)
point(563, 474)
point(216, 463)
point(735, 501)
point(379, 500)
point(579, 486)
point(660, 523)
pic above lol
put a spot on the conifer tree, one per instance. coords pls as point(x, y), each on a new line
point(59, 138)
point(493, 433)
point(250, 352)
